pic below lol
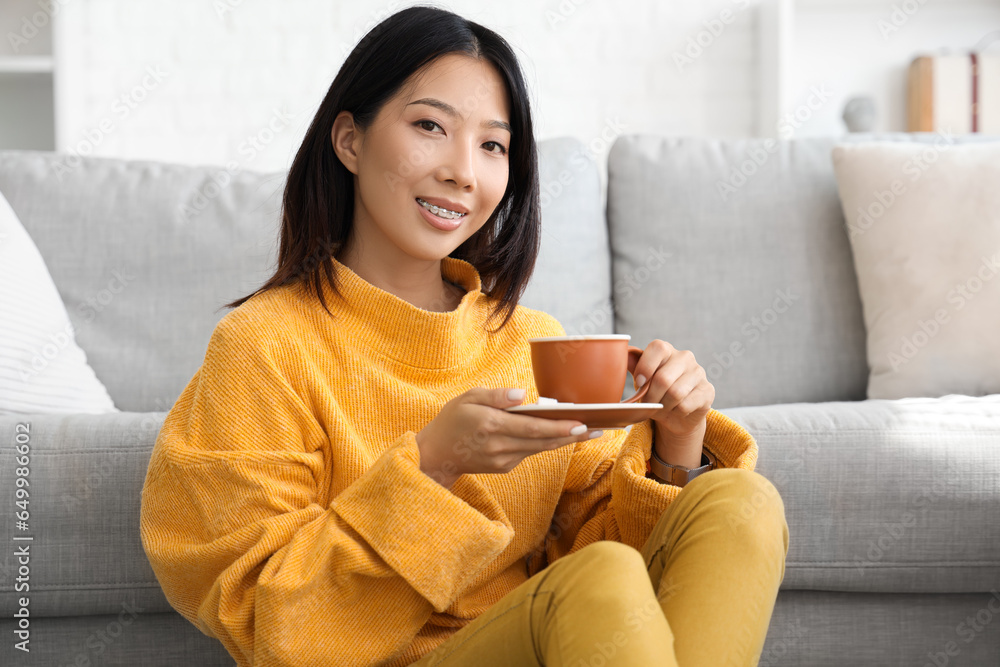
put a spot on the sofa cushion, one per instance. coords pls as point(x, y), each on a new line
point(758, 282)
point(572, 278)
point(145, 254)
point(885, 495)
point(758, 279)
point(924, 227)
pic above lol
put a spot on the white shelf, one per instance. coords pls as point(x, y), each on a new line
point(28, 75)
point(26, 65)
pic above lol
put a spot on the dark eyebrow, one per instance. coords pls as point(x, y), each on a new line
point(451, 111)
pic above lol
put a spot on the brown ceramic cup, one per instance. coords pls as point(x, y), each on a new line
point(584, 369)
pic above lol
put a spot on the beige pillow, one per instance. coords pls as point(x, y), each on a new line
point(924, 226)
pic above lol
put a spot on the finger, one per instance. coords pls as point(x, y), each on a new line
point(527, 426)
point(698, 401)
point(653, 357)
point(670, 371)
point(680, 389)
point(500, 397)
point(529, 446)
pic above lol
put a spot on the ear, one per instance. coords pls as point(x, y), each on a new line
point(346, 138)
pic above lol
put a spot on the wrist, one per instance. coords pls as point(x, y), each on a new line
point(432, 469)
point(680, 450)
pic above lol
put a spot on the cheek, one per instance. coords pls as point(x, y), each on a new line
point(497, 183)
point(380, 180)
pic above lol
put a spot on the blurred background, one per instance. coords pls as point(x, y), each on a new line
point(236, 82)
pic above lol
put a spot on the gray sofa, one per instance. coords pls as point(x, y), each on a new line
point(893, 506)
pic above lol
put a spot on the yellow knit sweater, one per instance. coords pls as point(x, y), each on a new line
point(284, 511)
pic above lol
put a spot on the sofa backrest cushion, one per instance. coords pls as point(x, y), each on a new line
point(144, 255)
point(738, 254)
point(738, 251)
point(572, 277)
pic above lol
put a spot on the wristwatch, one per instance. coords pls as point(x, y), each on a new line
point(678, 475)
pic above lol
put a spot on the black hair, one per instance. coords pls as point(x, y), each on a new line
point(318, 202)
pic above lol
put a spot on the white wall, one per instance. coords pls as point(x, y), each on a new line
point(198, 81)
point(594, 67)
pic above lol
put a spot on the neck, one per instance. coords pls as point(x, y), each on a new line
point(415, 336)
point(419, 283)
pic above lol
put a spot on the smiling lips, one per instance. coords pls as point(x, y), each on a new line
point(438, 220)
point(443, 208)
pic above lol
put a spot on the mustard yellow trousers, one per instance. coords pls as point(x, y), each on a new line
point(699, 594)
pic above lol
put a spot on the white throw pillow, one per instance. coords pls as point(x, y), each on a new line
point(42, 369)
point(924, 227)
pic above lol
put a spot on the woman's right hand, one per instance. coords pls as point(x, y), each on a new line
point(473, 434)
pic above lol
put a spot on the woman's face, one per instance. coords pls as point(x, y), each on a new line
point(443, 140)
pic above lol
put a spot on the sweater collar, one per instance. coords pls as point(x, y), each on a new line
point(396, 328)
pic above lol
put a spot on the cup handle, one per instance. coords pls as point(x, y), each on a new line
point(633, 358)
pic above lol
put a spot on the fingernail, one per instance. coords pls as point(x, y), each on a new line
point(596, 434)
point(516, 394)
point(577, 430)
point(641, 380)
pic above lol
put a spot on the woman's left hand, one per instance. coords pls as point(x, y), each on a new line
point(679, 383)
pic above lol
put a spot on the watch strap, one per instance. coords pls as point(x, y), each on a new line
point(678, 475)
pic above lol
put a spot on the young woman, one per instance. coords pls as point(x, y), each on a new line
point(339, 483)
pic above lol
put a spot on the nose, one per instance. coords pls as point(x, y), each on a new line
point(458, 166)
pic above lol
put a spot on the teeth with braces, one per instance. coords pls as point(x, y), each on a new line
point(438, 211)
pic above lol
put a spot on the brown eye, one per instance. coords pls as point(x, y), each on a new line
point(503, 151)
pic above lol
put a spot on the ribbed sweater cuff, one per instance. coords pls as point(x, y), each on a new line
point(731, 444)
point(638, 500)
point(421, 529)
point(641, 501)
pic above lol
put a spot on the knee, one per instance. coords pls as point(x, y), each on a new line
point(606, 558)
point(613, 566)
point(747, 503)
